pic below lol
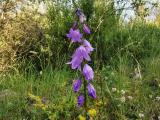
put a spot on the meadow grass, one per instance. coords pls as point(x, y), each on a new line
point(127, 80)
point(54, 86)
point(121, 96)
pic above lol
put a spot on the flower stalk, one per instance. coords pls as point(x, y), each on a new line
point(85, 98)
point(79, 61)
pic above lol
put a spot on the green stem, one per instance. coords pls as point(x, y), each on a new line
point(85, 98)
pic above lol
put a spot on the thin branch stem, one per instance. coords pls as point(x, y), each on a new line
point(85, 98)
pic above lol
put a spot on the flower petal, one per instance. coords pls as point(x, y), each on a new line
point(75, 35)
point(80, 101)
point(88, 46)
point(86, 29)
point(77, 85)
point(82, 52)
point(76, 62)
point(88, 72)
point(91, 91)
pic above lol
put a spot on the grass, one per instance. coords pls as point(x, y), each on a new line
point(131, 98)
point(53, 86)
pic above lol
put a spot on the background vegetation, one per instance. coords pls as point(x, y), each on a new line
point(35, 82)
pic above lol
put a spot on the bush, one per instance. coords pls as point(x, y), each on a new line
point(139, 41)
point(22, 40)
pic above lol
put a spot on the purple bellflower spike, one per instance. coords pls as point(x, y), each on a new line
point(77, 85)
point(80, 101)
point(86, 29)
point(88, 46)
point(81, 52)
point(88, 72)
point(91, 91)
point(74, 35)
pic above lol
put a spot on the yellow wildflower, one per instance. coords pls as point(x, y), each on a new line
point(81, 117)
point(30, 95)
point(39, 105)
point(92, 112)
point(36, 98)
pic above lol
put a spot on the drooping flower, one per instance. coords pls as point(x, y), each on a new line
point(75, 35)
point(78, 12)
point(77, 58)
point(80, 100)
point(86, 29)
point(91, 91)
point(88, 46)
point(76, 62)
point(77, 85)
point(88, 72)
point(81, 52)
point(74, 27)
point(82, 18)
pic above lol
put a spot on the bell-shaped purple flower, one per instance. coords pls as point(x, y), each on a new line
point(77, 85)
point(74, 35)
point(78, 12)
point(91, 91)
point(88, 72)
point(81, 52)
point(86, 29)
point(82, 18)
point(76, 62)
point(88, 46)
point(80, 100)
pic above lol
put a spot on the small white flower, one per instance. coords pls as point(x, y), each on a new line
point(42, 9)
point(150, 96)
point(123, 92)
point(158, 98)
point(114, 89)
point(123, 99)
point(130, 97)
point(141, 115)
point(40, 72)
